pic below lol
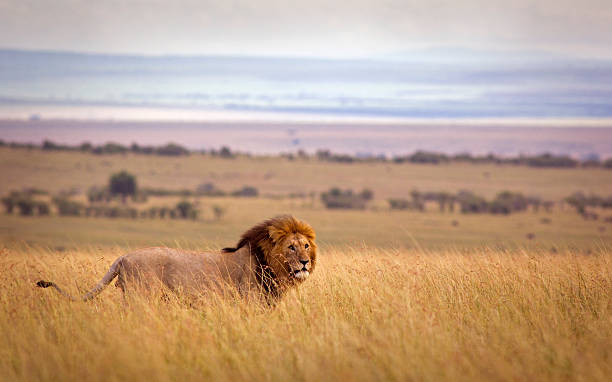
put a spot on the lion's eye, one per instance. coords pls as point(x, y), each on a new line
point(306, 245)
point(291, 247)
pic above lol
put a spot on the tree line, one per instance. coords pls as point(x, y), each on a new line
point(169, 149)
point(121, 186)
point(466, 202)
point(547, 160)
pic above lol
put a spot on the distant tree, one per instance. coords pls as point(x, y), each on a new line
point(153, 212)
point(42, 208)
point(550, 160)
point(48, 145)
point(124, 184)
point(367, 194)
point(9, 203)
point(399, 204)
point(427, 157)
point(85, 146)
point(548, 205)
point(98, 194)
point(163, 212)
point(186, 210)
point(26, 206)
point(246, 191)
point(535, 203)
point(208, 189)
point(471, 203)
point(110, 148)
point(463, 157)
point(507, 202)
point(347, 199)
point(418, 201)
point(67, 207)
point(171, 149)
point(444, 199)
point(225, 152)
point(323, 154)
point(577, 200)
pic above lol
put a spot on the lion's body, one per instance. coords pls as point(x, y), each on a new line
point(269, 258)
point(187, 272)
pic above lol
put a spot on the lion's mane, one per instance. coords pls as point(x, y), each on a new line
point(261, 240)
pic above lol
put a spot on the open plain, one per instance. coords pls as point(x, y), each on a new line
point(397, 295)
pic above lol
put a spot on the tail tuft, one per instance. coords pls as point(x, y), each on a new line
point(44, 284)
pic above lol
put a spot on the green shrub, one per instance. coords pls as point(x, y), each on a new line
point(550, 160)
point(67, 207)
point(337, 198)
point(42, 208)
point(578, 201)
point(153, 212)
point(246, 191)
point(26, 206)
point(110, 148)
point(225, 152)
point(98, 194)
point(9, 203)
point(166, 192)
point(400, 204)
point(171, 149)
point(25, 203)
point(423, 157)
point(366, 194)
point(164, 212)
point(471, 203)
point(186, 210)
point(507, 202)
point(208, 189)
point(86, 147)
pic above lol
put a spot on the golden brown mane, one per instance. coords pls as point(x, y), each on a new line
point(261, 240)
point(266, 233)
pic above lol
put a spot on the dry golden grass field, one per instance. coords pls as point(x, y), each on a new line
point(365, 314)
point(55, 171)
point(397, 295)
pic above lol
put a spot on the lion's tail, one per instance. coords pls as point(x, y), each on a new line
point(108, 277)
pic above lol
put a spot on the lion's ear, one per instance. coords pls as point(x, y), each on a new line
point(275, 233)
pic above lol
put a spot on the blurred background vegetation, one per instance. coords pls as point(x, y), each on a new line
point(62, 197)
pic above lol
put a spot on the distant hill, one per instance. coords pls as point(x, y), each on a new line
point(437, 83)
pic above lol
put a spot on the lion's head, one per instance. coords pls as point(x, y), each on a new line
point(284, 245)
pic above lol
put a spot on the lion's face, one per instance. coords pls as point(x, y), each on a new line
point(294, 256)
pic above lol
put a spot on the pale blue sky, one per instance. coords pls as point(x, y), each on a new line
point(306, 28)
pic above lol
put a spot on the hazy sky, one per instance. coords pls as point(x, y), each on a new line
point(306, 28)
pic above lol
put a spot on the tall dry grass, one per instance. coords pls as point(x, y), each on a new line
point(365, 314)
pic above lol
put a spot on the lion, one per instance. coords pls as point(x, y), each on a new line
point(269, 259)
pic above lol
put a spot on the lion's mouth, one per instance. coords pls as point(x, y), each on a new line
point(301, 274)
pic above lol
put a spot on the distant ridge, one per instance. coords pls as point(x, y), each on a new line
point(426, 84)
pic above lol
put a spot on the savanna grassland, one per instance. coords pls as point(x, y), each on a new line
point(397, 295)
point(365, 314)
point(55, 171)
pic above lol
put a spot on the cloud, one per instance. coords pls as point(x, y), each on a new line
point(316, 27)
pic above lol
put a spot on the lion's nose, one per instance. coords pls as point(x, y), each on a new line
point(304, 262)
